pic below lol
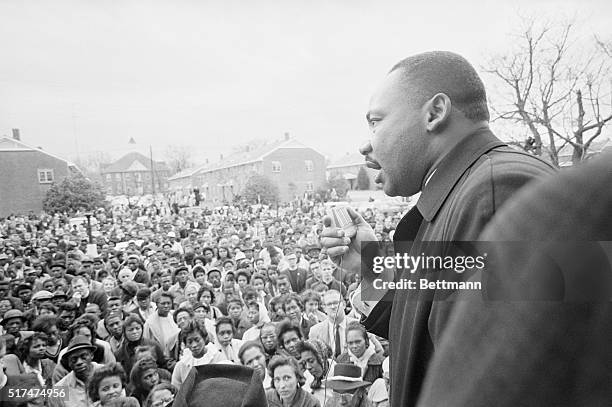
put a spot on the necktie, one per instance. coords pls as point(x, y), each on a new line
point(338, 347)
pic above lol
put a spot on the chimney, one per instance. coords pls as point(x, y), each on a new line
point(221, 157)
point(286, 136)
point(247, 149)
point(16, 135)
point(207, 161)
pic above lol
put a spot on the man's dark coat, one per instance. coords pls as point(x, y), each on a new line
point(466, 189)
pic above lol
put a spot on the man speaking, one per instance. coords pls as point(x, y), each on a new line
point(430, 134)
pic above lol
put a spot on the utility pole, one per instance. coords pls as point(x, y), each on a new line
point(152, 172)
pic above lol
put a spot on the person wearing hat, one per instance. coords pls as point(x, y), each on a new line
point(37, 299)
point(179, 289)
point(13, 323)
point(59, 297)
point(24, 292)
point(348, 389)
point(145, 307)
point(79, 358)
point(221, 385)
point(58, 269)
point(128, 291)
point(248, 250)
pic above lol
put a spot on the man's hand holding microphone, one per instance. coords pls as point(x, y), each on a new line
point(343, 238)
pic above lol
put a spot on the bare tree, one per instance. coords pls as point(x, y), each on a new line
point(178, 158)
point(605, 46)
point(555, 86)
point(91, 163)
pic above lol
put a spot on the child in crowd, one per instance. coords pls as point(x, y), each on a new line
point(234, 310)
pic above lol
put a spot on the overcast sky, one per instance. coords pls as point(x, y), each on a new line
point(87, 75)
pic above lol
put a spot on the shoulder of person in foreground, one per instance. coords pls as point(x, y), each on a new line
point(493, 180)
point(534, 346)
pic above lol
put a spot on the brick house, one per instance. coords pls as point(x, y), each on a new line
point(294, 167)
point(348, 166)
point(26, 174)
point(131, 175)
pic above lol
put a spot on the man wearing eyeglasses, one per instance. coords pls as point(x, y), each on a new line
point(332, 331)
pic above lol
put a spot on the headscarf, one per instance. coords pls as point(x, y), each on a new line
point(322, 353)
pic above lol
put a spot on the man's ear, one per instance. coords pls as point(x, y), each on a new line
point(437, 112)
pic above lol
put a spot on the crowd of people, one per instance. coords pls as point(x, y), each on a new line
point(122, 312)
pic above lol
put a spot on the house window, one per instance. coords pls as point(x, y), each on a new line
point(276, 166)
point(45, 176)
point(309, 165)
point(117, 177)
point(309, 186)
point(109, 177)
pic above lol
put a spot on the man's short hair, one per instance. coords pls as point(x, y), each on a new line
point(226, 321)
point(143, 293)
point(445, 72)
point(164, 294)
point(293, 297)
point(283, 276)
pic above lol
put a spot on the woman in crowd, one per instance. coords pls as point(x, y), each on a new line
point(31, 359)
point(195, 337)
point(223, 255)
point(258, 281)
point(315, 356)
point(6, 303)
point(199, 272)
point(143, 377)
point(312, 306)
point(288, 337)
point(107, 386)
point(206, 296)
point(267, 336)
point(109, 284)
point(162, 395)
point(277, 312)
point(287, 382)
point(48, 325)
point(361, 352)
point(132, 337)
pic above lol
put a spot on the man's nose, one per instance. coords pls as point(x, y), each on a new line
point(366, 148)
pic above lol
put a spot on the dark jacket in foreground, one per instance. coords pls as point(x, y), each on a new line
point(530, 352)
point(468, 187)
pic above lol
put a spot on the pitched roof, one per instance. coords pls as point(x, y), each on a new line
point(134, 162)
point(10, 144)
point(347, 160)
point(243, 157)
